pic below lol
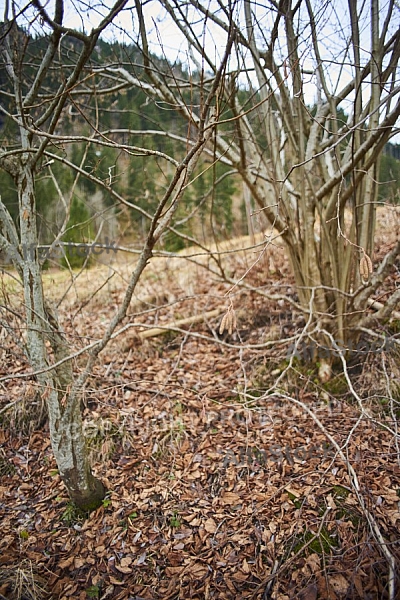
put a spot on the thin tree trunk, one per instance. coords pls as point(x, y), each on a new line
point(65, 420)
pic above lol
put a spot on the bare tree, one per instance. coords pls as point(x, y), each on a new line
point(308, 159)
point(36, 114)
point(308, 101)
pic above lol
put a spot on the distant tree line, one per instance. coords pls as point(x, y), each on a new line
point(392, 150)
point(135, 118)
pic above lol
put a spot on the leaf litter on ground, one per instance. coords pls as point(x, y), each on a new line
point(216, 490)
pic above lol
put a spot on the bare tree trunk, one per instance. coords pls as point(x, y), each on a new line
point(65, 420)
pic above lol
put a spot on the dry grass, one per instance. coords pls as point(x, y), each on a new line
point(21, 582)
point(101, 281)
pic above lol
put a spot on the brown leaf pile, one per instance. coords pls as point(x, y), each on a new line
point(212, 495)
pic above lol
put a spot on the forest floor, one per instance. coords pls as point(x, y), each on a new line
point(217, 450)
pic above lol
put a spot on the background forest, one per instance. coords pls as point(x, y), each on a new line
point(213, 207)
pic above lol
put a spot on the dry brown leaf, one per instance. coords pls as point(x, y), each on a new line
point(179, 546)
point(272, 526)
point(230, 586)
point(116, 581)
point(245, 566)
point(358, 584)
point(294, 492)
point(197, 570)
point(122, 569)
point(194, 520)
point(67, 562)
point(314, 562)
point(210, 526)
point(339, 583)
point(229, 498)
point(171, 571)
point(79, 563)
point(239, 576)
point(310, 593)
point(330, 502)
